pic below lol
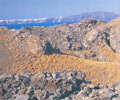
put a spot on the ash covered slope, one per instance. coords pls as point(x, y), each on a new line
point(90, 45)
point(104, 16)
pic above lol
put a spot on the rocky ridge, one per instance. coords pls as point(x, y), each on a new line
point(88, 35)
point(67, 85)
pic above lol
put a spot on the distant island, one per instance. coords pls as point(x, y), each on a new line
point(104, 16)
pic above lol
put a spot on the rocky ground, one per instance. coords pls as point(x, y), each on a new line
point(91, 46)
point(67, 85)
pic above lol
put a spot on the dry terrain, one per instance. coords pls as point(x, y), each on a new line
point(90, 46)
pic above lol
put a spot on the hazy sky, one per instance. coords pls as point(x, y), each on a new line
point(23, 9)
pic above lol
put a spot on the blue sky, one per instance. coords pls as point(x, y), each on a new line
point(23, 9)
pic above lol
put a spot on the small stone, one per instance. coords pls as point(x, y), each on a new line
point(55, 75)
point(87, 90)
point(22, 97)
point(82, 85)
point(52, 98)
point(106, 98)
point(91, 86)
point(15, 85)
point(29, 90)
point(26, 81)
point(68, 98)
point(17, 77)
point(21, 92)
point(41, 94)
point(25, 74)
point(70, 88)
point(5, 76)
point(80, 96)
point(8, 95)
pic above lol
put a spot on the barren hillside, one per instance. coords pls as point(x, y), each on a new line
point(91, 46)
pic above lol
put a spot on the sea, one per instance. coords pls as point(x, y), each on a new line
point(19, 26)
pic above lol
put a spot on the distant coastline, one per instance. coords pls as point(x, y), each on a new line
point(18, 23)
point(18, 26)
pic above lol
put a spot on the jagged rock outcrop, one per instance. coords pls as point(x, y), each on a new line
point(39, 46)
point(87, 35)
point(67, 85)
point(115, 35)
